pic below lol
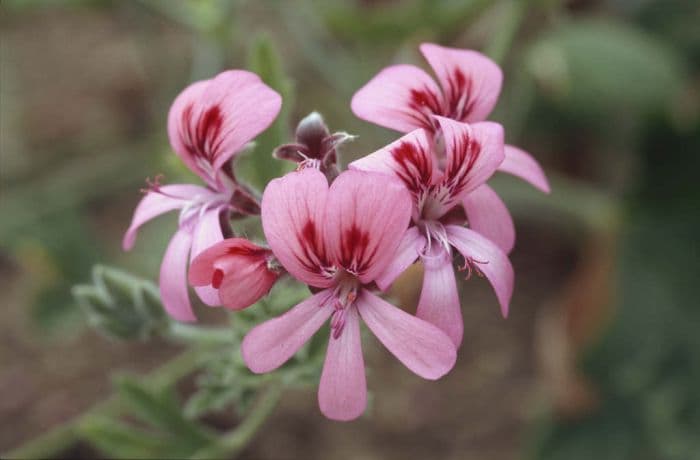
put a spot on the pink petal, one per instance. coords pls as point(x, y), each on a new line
point(207, 234)
point(366, 216)
point(471, 81)
point(154, 204)
point(473, 155)
point(212, 120)
point(243, 287)
point(342, 392)
point(400, 97)
point(270, 344)
point(173, 277)
point(439, 300)
point(419, 345)
point(410, 159)
point(489, 216)
point(293, 212)
point(521, 164)
point(489, 259)
point(412, 243)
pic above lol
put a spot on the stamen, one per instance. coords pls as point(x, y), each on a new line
point(471, 264)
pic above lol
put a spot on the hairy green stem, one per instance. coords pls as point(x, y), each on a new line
point(64, 436)
point(191, 334)
point(232, 443)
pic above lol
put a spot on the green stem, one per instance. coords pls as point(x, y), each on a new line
point(64, 436)
point(190, 334)
point(503, 40)
point(231, 443)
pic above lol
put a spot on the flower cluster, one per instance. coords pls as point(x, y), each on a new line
point(346, 234)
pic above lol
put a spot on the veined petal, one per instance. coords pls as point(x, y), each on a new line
point(400, 97)
point(342, 392)
point(207, 234)
point(293, 213)
point(419, 345)
point(173, 277)
point(410, 159)
point(523, 165)
point(202, 266)
point(155, 203)
point(244, 285)
point(439, 298)
point(212, 120)
point(489, 259)
point(412, 243)
point(489, 216)
point(366, 215)
point(471, 81)
point(270, 344)
point(473, 155)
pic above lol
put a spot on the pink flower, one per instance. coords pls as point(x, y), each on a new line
point(241, 271)
point(209, 123)
point(473, 153)
point(338, 240)
point(404, 97)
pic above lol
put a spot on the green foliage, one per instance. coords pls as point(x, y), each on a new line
point(264, 60)
point(595, 67)
point(121, 305)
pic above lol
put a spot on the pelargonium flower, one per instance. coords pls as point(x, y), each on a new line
point(404, 97)
point(338, 240)
point(208, 124)
point(241, 271)
point(473, 153)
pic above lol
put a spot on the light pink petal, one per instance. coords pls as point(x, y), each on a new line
point(207, 234)
point(489, 259)
point(270, 344)
point(400, 97)
point(489, 216)
point(473, 155)
point(412, 243)
point(154, 204)
point(521, 164)
point(243, 287)
point(213, 120)
point(471, 81)
point(173, 277)
point(366, 216)
point(419, 345)
point(410, 159)
point(439, 298)
point(342, 392)
point(293, 213)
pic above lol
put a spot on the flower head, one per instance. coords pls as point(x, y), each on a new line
point(405, 97)
point(473, 153)
point(339, 239)
point(208, 124)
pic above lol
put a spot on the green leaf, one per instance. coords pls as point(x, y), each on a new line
point(595, 66)
point(119, 440)
point(264, 60)
point(162, 411)
point(121, 305)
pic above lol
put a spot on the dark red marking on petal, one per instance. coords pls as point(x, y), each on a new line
point(465, 151)
point(415, 166)
point(425, 103)
point(459, 97)
point(355, 253)
point(202, 136)
point(313, 256)
point(217, 278)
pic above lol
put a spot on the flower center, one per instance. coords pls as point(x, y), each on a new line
point(343, 297)
point(436, 236)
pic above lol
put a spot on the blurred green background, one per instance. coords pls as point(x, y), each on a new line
point(601, 356)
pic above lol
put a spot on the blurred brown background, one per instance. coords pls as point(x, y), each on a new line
point(600, 357)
